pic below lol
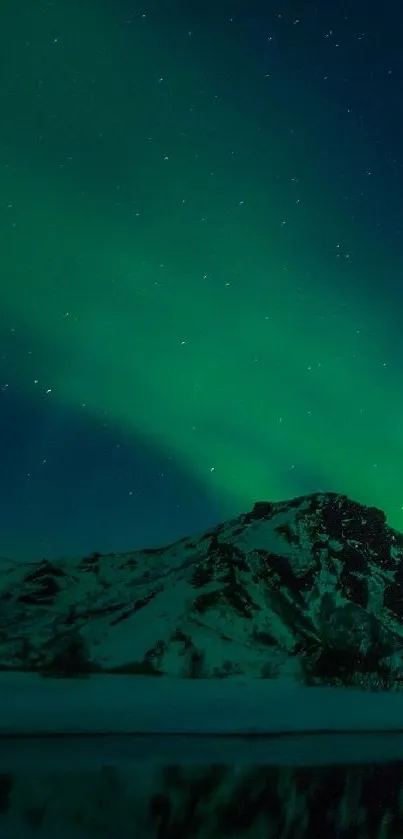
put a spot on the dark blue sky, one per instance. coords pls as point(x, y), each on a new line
point(201, 294)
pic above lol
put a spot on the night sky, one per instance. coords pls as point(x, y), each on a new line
point(201, 288)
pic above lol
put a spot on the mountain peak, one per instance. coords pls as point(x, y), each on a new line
point(309, 589)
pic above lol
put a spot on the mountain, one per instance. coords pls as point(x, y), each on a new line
point(309, 589)
point(307, 593)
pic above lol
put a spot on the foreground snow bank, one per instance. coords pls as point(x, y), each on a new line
point(105, 704)
point(95, 752)
point(130, 719)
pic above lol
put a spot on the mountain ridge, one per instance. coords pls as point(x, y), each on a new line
point(309, 589)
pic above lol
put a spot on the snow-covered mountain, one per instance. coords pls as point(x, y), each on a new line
point(309, 589)
point(288, 603)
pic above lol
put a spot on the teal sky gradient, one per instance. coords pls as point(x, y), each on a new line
point(200, 247)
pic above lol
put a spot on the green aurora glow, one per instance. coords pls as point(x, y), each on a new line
point(190, 265)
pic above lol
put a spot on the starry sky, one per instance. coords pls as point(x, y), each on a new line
point(201, 289)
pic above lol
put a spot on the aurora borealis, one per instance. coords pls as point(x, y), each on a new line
point(201, 286)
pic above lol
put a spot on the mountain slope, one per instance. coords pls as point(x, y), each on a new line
point(310, 588)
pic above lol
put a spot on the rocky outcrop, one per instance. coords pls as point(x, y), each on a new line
point(198, 803)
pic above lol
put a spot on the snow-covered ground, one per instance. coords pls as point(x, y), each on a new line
point(132, 719)
point(86, 753)
point(112, 704)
